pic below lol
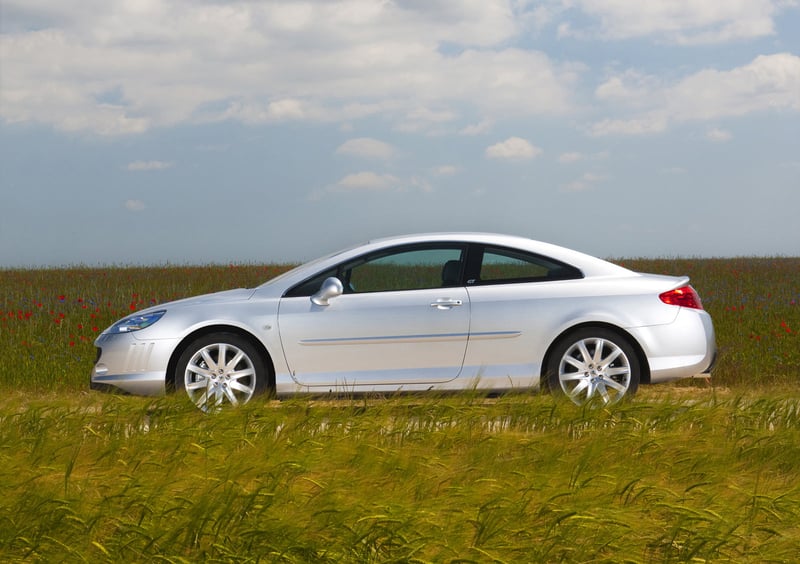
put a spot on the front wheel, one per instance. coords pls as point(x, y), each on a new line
point(220, 369)
point(594, 364)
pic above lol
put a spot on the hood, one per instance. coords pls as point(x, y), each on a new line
point(239, 294)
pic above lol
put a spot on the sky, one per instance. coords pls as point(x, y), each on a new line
point(241, 131)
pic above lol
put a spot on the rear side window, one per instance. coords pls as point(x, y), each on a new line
point(509, 266)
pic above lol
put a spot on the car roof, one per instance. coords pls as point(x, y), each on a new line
point(589, 265)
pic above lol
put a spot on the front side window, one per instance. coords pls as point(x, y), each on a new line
point(406, 268)
point(413, 269)
point(503, 266)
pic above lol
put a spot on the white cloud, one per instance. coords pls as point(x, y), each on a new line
point(566, 158)
point(271, 112)
point(366, 147)
point(126, 67)
point(677, 21)
point(586, 182)
point(630, 88)
point(372, 182)
point(446, 170)
point(513, 148)
point(422, 118)
point(418, 183)
point(655, 123)
point(768, 83)
point(476, 129)
point(141, 166)
point(135, 205)
point(366, 182)
point(718, 135)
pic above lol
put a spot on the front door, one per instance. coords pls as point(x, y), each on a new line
point(403, 320)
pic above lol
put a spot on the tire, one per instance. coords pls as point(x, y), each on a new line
point(594, 364)
point(211, 384)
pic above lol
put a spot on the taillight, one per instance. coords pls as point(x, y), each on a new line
point(685, 296)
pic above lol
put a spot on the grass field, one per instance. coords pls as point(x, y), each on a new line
point(685, 472)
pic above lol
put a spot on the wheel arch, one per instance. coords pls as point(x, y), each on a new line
point(209, 330)
point(644, 377)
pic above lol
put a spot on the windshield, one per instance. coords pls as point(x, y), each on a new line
point(307, 265)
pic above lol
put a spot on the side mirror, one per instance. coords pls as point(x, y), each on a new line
point(331, 288)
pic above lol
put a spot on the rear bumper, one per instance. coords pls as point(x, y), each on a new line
point(681, 349)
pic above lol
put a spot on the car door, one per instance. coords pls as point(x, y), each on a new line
point(516, 300)
point(403, 320)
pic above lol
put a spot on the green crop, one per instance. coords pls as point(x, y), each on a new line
point(693, 471)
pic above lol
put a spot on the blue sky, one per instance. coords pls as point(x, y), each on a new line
point(182, 131)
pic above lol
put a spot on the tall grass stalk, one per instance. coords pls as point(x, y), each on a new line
point(706, 475)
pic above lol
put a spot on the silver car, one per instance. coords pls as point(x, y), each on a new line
point(443, 311)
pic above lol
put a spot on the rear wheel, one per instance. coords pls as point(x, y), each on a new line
point(594, 365)
point(220, 370)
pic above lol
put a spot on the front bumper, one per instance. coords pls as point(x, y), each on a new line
point(131, 365)
point(145, 384)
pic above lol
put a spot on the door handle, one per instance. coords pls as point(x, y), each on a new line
point(446, 303)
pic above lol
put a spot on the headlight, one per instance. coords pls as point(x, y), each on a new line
point(136, 322)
